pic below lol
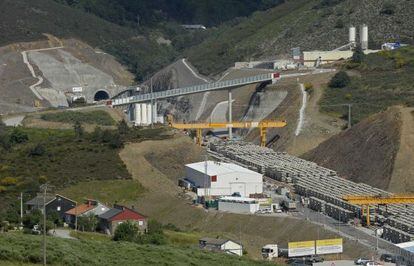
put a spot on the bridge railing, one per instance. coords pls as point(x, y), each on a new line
point(193, 89)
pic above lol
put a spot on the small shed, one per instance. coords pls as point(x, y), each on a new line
point(221, 245)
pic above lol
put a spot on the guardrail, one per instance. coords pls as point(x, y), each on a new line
point(195, 89)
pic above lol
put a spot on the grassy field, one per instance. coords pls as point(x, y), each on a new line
point(96, 117)
point(383, 79)
point(107, 191)
point(18, 248)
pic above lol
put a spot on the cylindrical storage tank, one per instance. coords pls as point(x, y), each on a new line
point(138, 114)
point(352, 34)
point(364, 37)
point(144, 116)
point(149, 113)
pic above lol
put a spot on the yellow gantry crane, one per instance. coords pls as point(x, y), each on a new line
point(262, 125)
point(366, 200)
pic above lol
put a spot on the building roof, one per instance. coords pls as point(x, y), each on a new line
point(215, 241)
point(238, 199)
point(219, 168)
point(121, 213)
point(38, 200)
point(110, 213)
point(409, 246)
point(80, 209)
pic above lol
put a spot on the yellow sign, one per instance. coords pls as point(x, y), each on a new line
point(303, 244)
point(304, 248)
point(329, 246)
point(329, 242)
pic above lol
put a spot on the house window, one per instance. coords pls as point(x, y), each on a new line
point(140, 223)
point(213, 178)
point(58, 208)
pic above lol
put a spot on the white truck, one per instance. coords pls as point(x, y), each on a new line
point(270, 251)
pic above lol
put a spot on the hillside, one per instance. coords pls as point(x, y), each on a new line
point(18, 248)
point(24, 21)
point(382, 80)
point(308, 24)
point(376, 151)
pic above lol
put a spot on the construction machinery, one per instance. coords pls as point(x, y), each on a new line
point(366, 200)
point(262, 125)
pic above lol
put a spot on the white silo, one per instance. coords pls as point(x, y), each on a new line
point(137, 114)
point(352, 35)
point(144, 116)
point(364, 37)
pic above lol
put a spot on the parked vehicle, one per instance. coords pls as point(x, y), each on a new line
point(270, 251)
point(36, 230)
point(388, 258)
point(315, 259)
point(298, 262)
point(373, 263)
point(361, 261)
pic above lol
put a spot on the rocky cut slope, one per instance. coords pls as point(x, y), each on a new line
point(377, 151)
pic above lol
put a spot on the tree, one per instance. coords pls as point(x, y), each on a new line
point(79, 132)
point(123, 127)
point(340, 80)
point(33, 218)
point(127, 231)
point(88, 222)
point(38, 150)
point(358, 56)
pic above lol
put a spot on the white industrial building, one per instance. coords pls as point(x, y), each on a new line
point(238, 205)
point(223, 179)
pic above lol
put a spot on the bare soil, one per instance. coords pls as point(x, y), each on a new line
point(366, 152)
point(157, 164)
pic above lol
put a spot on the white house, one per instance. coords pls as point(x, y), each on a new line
point(223, 179)
point(224, 245)
point(238, 205)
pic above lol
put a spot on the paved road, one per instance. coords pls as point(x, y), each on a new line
point(14, 121)
point(344, 263)
point(361, 235)
point(62, 233)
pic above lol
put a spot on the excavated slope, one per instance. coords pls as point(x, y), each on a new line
point(366, 152)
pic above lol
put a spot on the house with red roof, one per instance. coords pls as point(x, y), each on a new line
point(89, 207)
point(109, 220)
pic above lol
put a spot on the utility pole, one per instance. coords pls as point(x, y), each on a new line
point(349, 115)
point(76, 216)
point(44, 188)
point(230, 116)
point(21, 210)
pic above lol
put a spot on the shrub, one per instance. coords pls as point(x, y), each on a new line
point(339, 24)
point(388, 8)
point(8, 181)
point(308, 87)
point(358, 56)
point(18, 136)
point(123, 127)
point(127, 231)
point(38, 150)
point(340, 80)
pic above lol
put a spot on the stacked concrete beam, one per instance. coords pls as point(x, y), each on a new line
point(322, 185)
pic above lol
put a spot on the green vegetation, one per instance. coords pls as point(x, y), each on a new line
point(93, 117)
point(64, 158)
point(108, 191)
point(340, 80)
point(381, 80)
point(130, 232)
point(183, 239)
point(19, 248)
point(149, 13)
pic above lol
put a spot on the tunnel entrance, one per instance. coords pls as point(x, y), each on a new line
point(101, 95)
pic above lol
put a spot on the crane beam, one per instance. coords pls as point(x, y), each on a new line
point(365, 199)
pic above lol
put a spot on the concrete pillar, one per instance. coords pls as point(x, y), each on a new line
point(144, 116)
point(138, 115)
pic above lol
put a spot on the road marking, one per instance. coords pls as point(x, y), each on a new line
point(193, 72)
